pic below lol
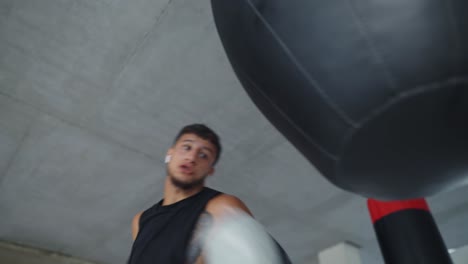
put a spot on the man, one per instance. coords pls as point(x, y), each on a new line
point(173, 230)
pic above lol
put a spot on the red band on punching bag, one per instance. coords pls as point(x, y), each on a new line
point(380, 209)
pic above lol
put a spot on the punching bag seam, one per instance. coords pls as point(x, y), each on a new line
point(378, 59)
point(454, 81)
point(285, 116)
point(301, 68)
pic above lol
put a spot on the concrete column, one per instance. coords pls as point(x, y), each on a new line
point(460, 255)
point(343, 253)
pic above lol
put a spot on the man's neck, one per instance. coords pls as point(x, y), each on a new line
point(173, 194)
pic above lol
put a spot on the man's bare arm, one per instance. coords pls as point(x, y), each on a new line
point(136, 225)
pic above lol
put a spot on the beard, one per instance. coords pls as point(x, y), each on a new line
point(186, 185)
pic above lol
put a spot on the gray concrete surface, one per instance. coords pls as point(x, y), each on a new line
point(460, 256)
point(91, 95)
point(17, 254)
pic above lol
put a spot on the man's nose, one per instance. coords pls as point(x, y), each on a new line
point(191, 156)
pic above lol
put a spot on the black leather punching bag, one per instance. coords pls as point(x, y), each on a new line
point(373, 93)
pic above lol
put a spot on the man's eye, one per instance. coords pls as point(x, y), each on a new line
point(203, 155)
point(186, 147)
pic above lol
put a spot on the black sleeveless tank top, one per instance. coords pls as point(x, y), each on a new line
point(165, 231)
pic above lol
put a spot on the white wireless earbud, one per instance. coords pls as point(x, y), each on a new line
point(167, 159)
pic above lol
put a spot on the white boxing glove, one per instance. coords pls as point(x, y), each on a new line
point(239, 239)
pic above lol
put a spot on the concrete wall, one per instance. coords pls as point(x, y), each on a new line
point(16, 254)
point(460, 256)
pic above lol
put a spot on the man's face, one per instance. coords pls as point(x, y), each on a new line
point(191, 161)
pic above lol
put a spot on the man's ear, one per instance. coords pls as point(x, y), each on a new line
point(168, 155)
point(170, 151)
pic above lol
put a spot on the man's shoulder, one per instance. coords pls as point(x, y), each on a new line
point(223, 199)
point(223, 202)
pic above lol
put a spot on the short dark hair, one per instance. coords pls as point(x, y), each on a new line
point(204, 132)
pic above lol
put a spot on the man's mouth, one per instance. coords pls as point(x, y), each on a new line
point(186, 169)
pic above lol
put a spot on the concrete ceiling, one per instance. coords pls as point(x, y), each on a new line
point(91, 94)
